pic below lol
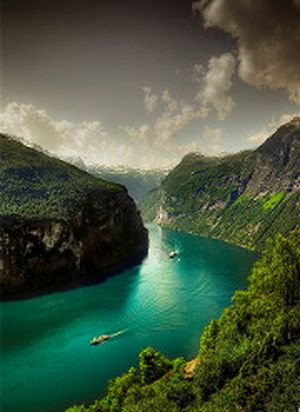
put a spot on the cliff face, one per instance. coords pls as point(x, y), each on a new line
point(242, 198)
point(98, 230)
point(277, 161)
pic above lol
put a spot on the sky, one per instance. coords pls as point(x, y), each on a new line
point(141, 83)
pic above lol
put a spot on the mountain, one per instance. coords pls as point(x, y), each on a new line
point(242, 198)
point(138, 182)
point(249, 359)
point(59, 225)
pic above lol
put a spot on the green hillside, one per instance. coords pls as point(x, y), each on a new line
point(242, 198)
point(34, 184)
point(60, 226)
point(249, 359)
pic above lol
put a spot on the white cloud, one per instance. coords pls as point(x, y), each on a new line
point(217, 81)
point(169, 101)
point(147, 145)
point(158, 139)
point(33, 124)
point(150, 99)
point(268, 39)
point(94, 145)
point(139, 135)
point(258, 138)
point(212, 139)
point(157, 142)
point(159, 152)
point(168, 124)
point(89, 140)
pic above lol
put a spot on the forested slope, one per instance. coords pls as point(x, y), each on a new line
point(249, 359)
point(242, 198)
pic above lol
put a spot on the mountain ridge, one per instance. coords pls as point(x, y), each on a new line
point(241, 198)
point(61, 226)
point(137, 181)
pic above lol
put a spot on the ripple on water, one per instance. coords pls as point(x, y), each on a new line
point(47, 362)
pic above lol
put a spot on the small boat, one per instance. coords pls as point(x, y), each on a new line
point(173, 254)
point(99, 339)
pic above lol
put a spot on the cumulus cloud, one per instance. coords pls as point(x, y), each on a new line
point(34, 125)
point(89, 140)
point(272, 125)
point(159, 138)
point(168, 153)
point(212, 139)
point(168, 124)
point(157, 142)
point(169, 101)
point(150, 99)
point(268, 38)
point(147, 145)
point(139, 135)
point(217, 81)
point(166, 127)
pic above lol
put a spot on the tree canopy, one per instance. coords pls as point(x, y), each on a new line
point(249, 359)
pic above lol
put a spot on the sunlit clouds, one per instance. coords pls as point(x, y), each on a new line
point(153, 143)
point(145, 146)
point(217, 82)
point(150, 99)
point(271, 126)
point(268, 39)
point(147, 86)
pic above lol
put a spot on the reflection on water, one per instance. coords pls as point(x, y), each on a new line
point(47, 361)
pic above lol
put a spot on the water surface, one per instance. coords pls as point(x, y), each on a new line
point(46, 360)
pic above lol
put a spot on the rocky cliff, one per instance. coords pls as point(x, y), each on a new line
point(59, 226)
point(242, 198)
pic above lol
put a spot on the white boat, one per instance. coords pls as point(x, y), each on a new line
point(173, 254)
point(99, 339)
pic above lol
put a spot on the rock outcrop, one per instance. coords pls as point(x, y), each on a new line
point(97, 232)
point(242, 198)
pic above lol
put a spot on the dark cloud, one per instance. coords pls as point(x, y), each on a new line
point(268, 35)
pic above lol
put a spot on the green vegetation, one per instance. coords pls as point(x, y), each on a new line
point(250, 222)
point(242, 198)
point(150, 205)
point(33, 184)
point(273, 200)
point(249, 359)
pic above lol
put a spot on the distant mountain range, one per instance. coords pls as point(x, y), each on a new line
point(138, 182)
point(242, 198)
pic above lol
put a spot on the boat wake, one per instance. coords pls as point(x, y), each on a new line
point(103, 338)
point(120, 332)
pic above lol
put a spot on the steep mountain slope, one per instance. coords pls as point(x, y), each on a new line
point(249, 359)
point(59, 225)
point(242, 198)
point(138, 182)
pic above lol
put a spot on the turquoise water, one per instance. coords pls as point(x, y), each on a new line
point(47, 362)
